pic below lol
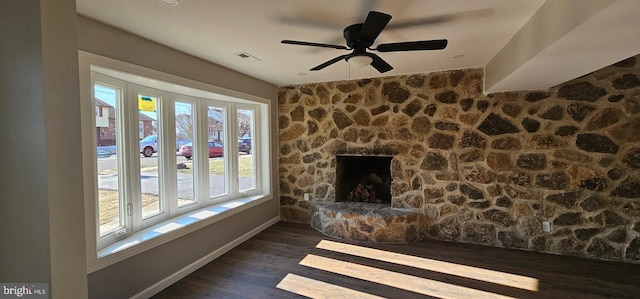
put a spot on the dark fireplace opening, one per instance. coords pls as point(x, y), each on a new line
point(363, 179)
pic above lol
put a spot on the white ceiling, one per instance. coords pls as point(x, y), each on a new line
point(507, 37)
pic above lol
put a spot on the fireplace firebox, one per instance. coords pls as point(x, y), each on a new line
point(363, 179)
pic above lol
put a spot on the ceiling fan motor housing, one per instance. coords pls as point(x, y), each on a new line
point(351, 35)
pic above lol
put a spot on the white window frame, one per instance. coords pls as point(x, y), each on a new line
point(197, 202)
point(206, 210)
point(163, 141)
point(119, 110)
point(203, 151)
point(255, 147)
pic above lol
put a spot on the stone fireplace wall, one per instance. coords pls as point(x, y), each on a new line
point(485, 169)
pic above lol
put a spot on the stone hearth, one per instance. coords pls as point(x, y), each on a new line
point(366, 222)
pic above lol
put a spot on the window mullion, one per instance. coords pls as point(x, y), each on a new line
point(231, 131)
point(131, 162)
point(169, 174)
point(256, 148)
point(201, 166)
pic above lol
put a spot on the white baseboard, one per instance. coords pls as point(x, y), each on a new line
point(173, 278)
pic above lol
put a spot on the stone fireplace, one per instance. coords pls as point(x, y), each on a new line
point(469, 167)
point(363, 179)
point(361, 209)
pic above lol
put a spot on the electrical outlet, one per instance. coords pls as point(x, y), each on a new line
point(546, 226)
point(306, 196)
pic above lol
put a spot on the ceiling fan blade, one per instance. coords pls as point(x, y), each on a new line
point(373, 25)
point(437, 44)
point(330, 62)
point(379, 63)
point(295, 42)
point(314, 20)
point(440, 19)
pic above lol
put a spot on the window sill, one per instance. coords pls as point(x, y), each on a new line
point(171, 229)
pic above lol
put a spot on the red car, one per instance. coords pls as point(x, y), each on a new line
point(216, 149)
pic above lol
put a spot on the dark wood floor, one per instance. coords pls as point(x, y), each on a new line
point(269, 266)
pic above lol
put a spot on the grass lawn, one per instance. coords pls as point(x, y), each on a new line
point(109, 203)
point(216, 166)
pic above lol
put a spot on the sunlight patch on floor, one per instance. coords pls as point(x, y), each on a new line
point(496, 277)
point(318, 289)
point(397, 280)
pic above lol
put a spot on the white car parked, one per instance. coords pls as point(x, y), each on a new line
point(149, 145)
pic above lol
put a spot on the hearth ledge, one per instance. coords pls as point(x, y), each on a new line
point(367, 222)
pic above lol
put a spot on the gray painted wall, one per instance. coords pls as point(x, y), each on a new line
point(128, 277)
point(42, 214)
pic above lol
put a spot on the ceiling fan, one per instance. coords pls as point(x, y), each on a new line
point(360, 38)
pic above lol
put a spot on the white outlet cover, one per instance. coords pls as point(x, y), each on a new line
point(546, 226)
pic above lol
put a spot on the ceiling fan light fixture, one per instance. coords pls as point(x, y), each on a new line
point(360, 61)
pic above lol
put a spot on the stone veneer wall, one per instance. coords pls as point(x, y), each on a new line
point(485, 169)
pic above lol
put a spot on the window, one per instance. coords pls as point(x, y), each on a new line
point(167, 150)
point(111, 209)
point(216, 169)
point(185, 179)
point(246, 178)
